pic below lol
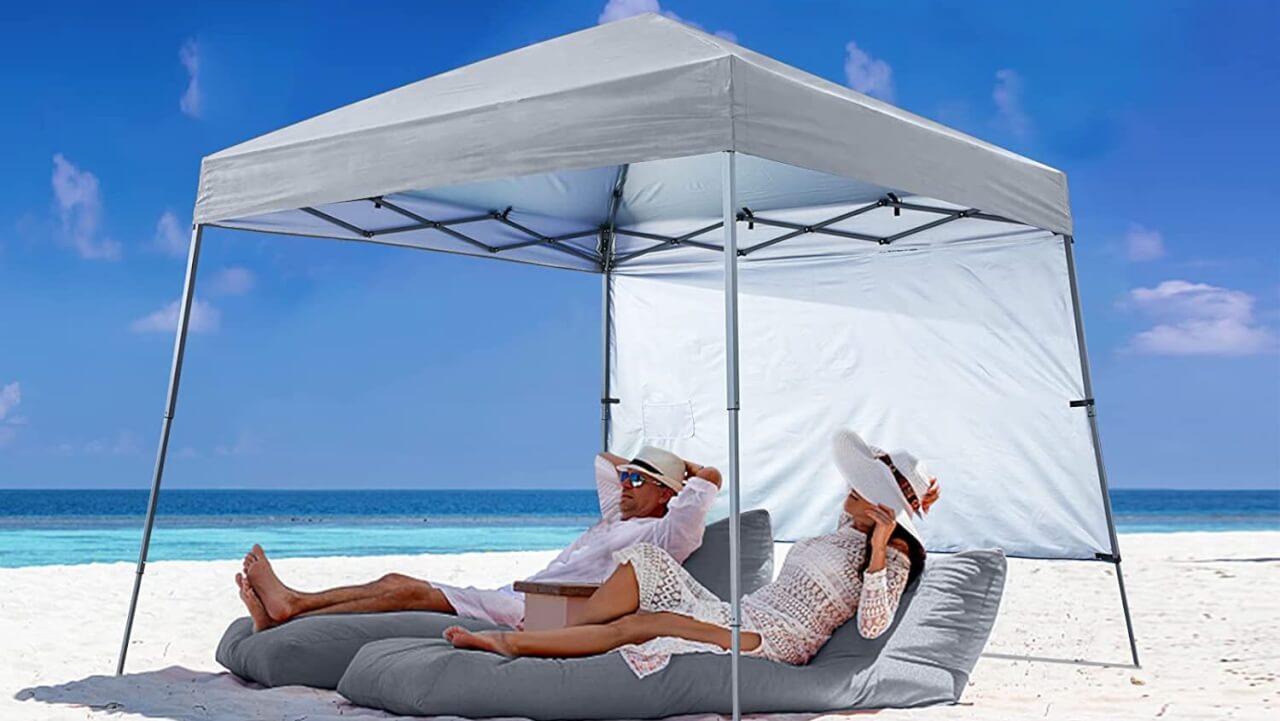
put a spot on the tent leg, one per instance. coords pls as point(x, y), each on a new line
point(608, 239)
point(727, 184)
point(1128, 618)
point(607, 316)
point(1068, 242)
point(175, 373)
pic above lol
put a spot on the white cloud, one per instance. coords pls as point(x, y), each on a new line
point(204, 319)
point(232, 281)
point(10, 397)
point(619, 9)
point(1007, 95)
point(170, 238)
point(246, 444)
point(867, 75)
point(79, 202)
point(192, 101)
point(1142, 244)
point(123, 444)
point(1199, 319)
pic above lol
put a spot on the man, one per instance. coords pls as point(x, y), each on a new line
point(656, 497)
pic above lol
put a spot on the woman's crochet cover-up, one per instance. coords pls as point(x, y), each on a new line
point(818, 589)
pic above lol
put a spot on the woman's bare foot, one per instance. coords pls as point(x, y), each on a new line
point(491, 641)
point(278, 599)
point(261, 619)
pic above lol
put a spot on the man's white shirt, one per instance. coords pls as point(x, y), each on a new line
point(589, 559)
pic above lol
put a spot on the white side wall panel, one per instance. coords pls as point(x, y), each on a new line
point(964, 353)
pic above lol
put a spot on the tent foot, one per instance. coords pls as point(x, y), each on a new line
point(1128, 617)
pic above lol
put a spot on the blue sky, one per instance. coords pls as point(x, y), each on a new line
point(323, 364)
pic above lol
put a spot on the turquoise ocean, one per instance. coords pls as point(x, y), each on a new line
point(44, 527)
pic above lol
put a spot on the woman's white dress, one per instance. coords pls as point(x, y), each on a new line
point(818, 589)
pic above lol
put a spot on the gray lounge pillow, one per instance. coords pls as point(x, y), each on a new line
point(925, 657)
point(710, 563)
point(315, 650)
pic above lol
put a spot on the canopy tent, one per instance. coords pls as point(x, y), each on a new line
point(892, 275)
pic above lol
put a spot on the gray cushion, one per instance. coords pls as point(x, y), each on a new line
point(710, 563)
point(315, 650)
point(924, 658)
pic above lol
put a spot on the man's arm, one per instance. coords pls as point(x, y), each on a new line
point(680, 531)
point(706, 473)
point(615, 460)
point(608, 488)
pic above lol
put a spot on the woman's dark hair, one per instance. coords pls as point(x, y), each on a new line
point(915, 553)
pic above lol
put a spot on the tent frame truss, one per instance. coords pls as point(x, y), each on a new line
point(604, 257)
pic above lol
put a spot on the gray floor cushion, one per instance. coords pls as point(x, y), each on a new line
point(710, 563)
point(924, 658)
point(315, 650)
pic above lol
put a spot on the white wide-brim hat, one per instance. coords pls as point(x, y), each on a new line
point(661, 464)
point(864, 472)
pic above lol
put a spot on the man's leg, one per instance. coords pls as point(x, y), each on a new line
point(392, 592)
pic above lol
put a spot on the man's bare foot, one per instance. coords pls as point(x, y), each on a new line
point(261, 620)
point(491, 641)
point(278, 599)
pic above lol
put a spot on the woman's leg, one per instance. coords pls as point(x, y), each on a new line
point(392, 592)
point(618, 596)
point(577, 641)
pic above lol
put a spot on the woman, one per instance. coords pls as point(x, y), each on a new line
point(651, 608)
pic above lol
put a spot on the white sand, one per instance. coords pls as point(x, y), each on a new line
point(1206, 608)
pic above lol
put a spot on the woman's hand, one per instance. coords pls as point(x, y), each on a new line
point(886, 521)
point(930, 496)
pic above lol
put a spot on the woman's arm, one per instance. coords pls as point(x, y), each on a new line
point(881, 592)
point(884, 578)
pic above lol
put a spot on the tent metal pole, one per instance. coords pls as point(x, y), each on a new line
point(606, 252)
point(606, 316)
point(728, 188)
point(175, 374)
point(1068, 242)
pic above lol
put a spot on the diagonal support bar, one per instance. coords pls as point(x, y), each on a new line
point(433, 224)
point(798, 229)
point(551, 239)
point(927, 226)
point(547, 240)
point(338, 222)
point(668, 242)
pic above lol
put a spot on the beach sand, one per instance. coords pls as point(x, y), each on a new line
point(1206, 609)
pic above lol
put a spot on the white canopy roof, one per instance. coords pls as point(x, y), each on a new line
point(541, 133)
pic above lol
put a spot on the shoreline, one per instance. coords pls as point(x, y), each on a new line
point(170, 543)
point(1203, 605)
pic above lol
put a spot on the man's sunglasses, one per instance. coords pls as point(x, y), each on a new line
point(635, 479)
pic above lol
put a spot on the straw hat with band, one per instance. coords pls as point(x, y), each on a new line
point(661, 465)
point(863, 470)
